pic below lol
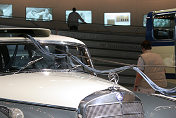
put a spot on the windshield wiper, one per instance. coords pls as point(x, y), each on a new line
point(29, 64)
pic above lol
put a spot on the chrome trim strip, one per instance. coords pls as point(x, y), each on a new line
point(165, 97)
point(38, 104)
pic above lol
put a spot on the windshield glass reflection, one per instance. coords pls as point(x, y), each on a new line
point(15, 57)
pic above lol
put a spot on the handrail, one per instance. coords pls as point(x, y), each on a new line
point(53, 25)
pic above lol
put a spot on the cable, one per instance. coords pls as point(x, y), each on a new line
point(115, 70)
point(153, 85)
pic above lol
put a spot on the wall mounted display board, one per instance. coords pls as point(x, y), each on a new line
point(86, 15)
point(5, 10)
point(38, 14)
point(116, 19)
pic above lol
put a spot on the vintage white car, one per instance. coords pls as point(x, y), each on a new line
point(42, 76)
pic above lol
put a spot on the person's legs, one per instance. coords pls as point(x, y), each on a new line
point(5, 54)
point(4, 57)
point(75, 28)
point(1, 64)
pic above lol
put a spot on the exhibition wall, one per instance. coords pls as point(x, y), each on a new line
point(100, 15)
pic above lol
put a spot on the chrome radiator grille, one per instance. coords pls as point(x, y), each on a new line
point(115, 110)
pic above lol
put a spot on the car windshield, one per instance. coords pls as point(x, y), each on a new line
point(18, 57)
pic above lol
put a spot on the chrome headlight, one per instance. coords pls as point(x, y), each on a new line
point(111, 103)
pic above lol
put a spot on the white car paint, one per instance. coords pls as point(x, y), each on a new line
point(54, 88)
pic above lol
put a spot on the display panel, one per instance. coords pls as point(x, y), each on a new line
point(39, 14)
point(5, 11)
point(86, 15)
point(116, 19)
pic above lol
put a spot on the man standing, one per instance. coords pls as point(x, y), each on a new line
point(152, 65)
point(73, 20)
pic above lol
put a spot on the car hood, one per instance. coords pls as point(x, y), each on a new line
point(54, 88)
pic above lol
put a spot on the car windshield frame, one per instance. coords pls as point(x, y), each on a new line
point(48, 58)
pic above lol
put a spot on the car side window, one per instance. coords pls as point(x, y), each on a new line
point(19, 55)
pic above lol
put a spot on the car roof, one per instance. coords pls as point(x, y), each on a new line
point(40, 34)
point(166, 11)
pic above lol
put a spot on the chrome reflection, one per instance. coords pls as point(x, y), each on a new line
point(163, 111)
point(111, 103)
point(11, 112)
